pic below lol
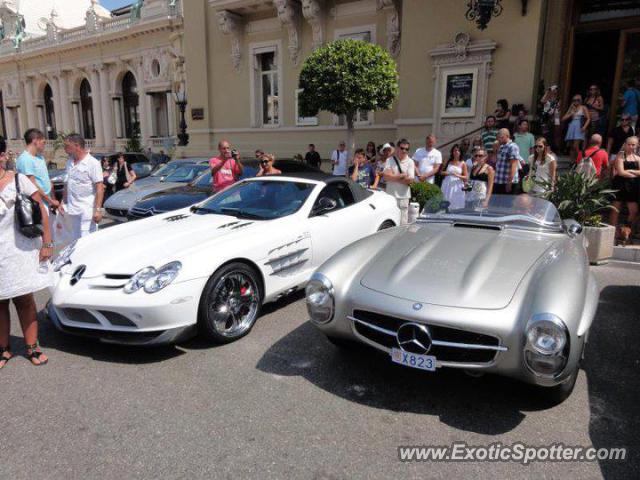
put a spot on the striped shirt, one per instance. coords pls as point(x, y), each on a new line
point(488, 139)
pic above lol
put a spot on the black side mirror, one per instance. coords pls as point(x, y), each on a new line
point(325, 204)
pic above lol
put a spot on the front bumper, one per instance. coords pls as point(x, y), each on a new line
point(454, 325)
point(92, 309)
point(133, 338)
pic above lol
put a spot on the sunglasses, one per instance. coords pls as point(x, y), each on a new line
point(264, 162)
point(404, 149)
point(478, 155)
point(625, 119)
point(577, 100)
point(539, 146)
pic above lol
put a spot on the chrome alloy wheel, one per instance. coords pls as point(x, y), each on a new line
point(235, 304)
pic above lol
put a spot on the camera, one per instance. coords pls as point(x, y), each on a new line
point(234, 153)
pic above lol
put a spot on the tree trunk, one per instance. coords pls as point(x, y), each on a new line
point(351, 136)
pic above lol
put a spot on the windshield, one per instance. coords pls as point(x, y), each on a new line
point(259, 200)
point(167, 169)
point(186, 173)
point(521, 211)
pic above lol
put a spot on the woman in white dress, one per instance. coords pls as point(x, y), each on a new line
point(21, 270)
point(455, 175)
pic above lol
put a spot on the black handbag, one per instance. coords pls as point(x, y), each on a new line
point(28, 214)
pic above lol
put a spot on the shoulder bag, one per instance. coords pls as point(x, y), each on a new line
point(28, 214)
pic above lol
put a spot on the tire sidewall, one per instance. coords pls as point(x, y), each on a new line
point(205, 325)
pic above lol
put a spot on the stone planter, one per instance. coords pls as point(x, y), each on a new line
point(599, 242)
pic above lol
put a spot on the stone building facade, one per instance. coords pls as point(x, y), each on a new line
point(109, 77)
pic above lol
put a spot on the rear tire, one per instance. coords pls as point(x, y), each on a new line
point(230, 303)
point(386, 224)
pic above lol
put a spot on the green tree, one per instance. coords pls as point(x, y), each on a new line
point(346, 76)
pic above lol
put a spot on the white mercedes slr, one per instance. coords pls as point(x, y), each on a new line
point(209, 268)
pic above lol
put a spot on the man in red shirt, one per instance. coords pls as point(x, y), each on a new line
point(225, 168)
point(598, 156)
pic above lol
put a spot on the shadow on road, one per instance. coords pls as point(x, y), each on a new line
point(489, 405)
point(612, 364)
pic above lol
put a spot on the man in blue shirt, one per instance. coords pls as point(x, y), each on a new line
point(32, 164)
point(507, 165)
point(631, 103)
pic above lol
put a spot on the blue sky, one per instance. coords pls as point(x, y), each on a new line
point(111, 4)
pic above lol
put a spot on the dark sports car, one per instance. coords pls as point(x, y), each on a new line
point(199, 189)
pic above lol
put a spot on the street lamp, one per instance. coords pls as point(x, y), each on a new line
point(482, 10)
point(181, 102)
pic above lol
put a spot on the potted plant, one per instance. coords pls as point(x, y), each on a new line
point(583, 198)
point(422, 193)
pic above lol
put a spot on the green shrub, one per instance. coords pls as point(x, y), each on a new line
point(424, 192)
point(580, 197)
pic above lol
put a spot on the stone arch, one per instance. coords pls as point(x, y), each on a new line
point(116, 86)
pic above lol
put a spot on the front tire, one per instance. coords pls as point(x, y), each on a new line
point(230, 303)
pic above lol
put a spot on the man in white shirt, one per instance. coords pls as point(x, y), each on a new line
point(339, 160)
point(428, 160)
point(399, 174)
point(84, 190)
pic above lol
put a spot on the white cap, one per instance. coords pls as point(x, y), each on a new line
point(385, 146)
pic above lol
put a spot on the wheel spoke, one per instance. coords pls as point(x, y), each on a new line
point(236, 303)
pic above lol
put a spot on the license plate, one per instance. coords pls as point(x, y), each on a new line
point(421, 362)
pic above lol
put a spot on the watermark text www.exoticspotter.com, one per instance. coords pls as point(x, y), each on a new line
point(516, 452)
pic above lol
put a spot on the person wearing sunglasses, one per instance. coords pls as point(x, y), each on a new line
point(619, 135)
point(266, 166)
point(399, 174)
point(481, 177)
point(542, 166)
point(578, 125)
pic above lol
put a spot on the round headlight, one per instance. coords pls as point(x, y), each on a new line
point(320, 301)
point(164, 276)
point(138, 280)
point(64, 257)
point(546, 334)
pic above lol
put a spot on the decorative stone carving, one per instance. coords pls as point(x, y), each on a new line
point(92, 18)
point(156, 66)
point(314, 12)
point(52, 28)
point(289, 15)
point(460, 43)
point(232, 24)
point(393, 25)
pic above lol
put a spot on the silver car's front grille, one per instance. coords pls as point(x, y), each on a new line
point(448, 344)
point(116, 212)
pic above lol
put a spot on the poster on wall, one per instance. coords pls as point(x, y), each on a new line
point(459, 95)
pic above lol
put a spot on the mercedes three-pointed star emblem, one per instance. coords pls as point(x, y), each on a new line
point(414, 338)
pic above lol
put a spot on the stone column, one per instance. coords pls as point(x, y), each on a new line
point(117, 116)
point(42, 122)
point(67, 119)
point(107, 115)
point(171, 111)
point(97, 106)
point(57, 104)
point(8, 115)
point(75, 107)
point(32, 120)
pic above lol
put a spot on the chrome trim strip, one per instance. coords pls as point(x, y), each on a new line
point(440, 343)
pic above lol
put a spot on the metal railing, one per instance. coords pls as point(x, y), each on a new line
point(457, 139)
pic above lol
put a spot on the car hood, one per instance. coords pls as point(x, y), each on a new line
point(174, 198)
point(456, 266)
point(125, 199)
point(155, 241)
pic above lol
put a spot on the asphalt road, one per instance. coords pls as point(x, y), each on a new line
point(284, 403)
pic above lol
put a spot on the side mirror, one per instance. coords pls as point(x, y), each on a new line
point(325, 204)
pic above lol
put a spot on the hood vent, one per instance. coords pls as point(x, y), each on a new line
point(176, 218)
point(479, 226)
point(242, 225)
point(227, 225)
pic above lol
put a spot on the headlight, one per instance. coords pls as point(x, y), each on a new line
point(320, 301)
point(546, 344)
point(153, 280)
point(64, 257)
point(163, 277)
point(138, 280)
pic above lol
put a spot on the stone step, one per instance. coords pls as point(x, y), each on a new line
point(630, 253)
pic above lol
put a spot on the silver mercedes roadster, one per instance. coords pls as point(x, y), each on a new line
point(502, 288)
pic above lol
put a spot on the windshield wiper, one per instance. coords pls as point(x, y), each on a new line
point(238, 213)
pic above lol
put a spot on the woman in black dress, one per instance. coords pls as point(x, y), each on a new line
point(125, 175)
point(626, 181)
point(481, 180)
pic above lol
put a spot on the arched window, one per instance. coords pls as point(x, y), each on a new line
point(86, 104)
point(50, 117)
point(130, 102)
